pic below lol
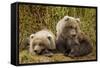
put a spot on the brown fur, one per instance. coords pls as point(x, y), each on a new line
point(70, 40)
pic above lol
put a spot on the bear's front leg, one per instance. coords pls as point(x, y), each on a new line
point(75, 51)
point(47, 53)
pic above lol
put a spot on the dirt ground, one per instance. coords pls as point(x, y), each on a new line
point(25, 57)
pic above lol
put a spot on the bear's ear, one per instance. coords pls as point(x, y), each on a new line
point(31, 36)
point(49, 37)
point(66, 18)
point(78, 20)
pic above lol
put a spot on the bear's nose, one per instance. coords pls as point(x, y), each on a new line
point(35, 51)
point(74, 35)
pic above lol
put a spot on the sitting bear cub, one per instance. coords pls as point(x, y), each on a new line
point(71, 41)
point(42, 42)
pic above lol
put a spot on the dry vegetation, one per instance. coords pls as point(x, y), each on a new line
point(33, 18)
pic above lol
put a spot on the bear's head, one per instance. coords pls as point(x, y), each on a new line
point(69, 26)
point(40, 42)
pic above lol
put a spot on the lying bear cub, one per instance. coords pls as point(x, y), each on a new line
point(42, 43)
point(71, 41)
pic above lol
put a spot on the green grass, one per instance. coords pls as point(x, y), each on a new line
point(33, 18)
point(25, 57)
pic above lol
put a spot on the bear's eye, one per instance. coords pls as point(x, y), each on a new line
point(70, 27)
point(41, 44)
point(34, 44)
point(76, 28)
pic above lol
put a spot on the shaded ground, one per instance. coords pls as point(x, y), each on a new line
point(25, 57)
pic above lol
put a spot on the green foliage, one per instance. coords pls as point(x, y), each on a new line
point(33, 18)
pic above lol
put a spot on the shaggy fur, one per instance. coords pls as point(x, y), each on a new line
point(70, 40)
point(42, 42)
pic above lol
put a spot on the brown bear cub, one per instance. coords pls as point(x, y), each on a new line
point(70, 40)
point(42, 43)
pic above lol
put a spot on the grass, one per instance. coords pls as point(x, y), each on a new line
point(25, 58)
